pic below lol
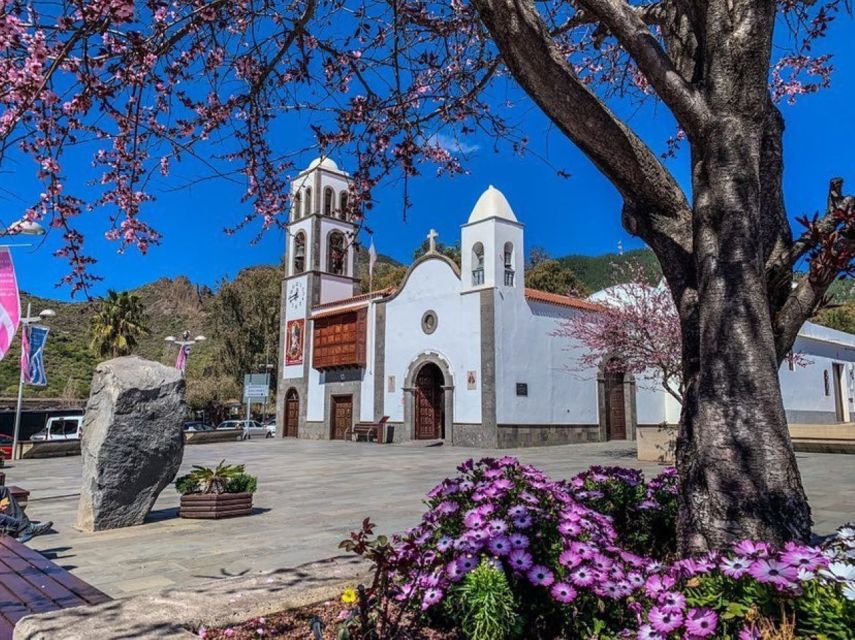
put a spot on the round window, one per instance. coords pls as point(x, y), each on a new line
point(429, 322)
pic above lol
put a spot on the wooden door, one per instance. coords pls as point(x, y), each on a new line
point(428, 401)
point(292, 413)
point(615, 406)
point(342, 416)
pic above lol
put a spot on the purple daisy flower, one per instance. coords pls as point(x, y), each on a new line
point(701, 622)
point(601, 562)
point(735, 567)
point(500, 546)
point(431, 597)
point(582, 576)
point(497, 526)
point(473, 519)
point(467, 563)
point(540, 576)
point(672, 601)
point(665, 621)
point(517, 511)
point(751, 549)
point(523, 522)
point(567, 528)
point(563, 592)
point(447, 507)
point(646, 632)
point(774, 572)
point(570, 559)
point(801, 558)
point(519, 540)
point(444, 544)
point(520, 559)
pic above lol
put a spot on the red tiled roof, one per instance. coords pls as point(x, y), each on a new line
point(355, 301)
point(562, 301)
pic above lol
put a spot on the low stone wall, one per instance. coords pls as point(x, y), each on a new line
point(177, 613)
point(205, 437)
point(656, 442)
point(525, 435)
point(48, 448)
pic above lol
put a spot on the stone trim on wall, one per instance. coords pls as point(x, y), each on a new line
point(797, 416)
point(545, 435)
point(379, 360)
point(488, 368)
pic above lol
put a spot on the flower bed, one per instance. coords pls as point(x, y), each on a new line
point(505, 552)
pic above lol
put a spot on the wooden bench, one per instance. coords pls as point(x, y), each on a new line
point(30, 583)
point(369, 429)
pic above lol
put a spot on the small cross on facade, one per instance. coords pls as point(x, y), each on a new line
point(432, 240)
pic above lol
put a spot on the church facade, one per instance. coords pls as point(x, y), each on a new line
point(464, 355)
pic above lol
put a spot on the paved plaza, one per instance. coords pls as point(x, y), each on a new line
point(310, 495)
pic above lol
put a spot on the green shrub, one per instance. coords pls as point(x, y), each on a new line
point(225, 478)
point(486, 604)
point(242, 483)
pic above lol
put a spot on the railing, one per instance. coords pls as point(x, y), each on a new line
point(478, 276)
point(509, 277)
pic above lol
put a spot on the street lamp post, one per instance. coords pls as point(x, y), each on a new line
point(24, 227)
point(25, 322)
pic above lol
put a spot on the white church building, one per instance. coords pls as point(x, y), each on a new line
point(468, 355)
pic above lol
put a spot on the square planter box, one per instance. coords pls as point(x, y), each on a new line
point(214, 506)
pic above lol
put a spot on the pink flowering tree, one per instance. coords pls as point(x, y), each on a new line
point(139, 86)
point(637, 330)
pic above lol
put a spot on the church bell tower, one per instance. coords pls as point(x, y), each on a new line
point(321, 252)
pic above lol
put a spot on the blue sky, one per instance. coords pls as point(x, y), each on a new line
point(576, 215)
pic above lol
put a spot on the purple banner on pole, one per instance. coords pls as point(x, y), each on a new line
point(10, 303)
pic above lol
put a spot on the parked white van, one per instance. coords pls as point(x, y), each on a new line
point(60, 428)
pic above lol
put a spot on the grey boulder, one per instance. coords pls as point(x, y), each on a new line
point(132, 443)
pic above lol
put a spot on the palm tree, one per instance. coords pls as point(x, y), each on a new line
point(118, 321)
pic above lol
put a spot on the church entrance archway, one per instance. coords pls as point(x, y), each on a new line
point(428, 394)
point(292, 413)
point(429, 398)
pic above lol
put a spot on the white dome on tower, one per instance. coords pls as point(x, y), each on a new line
point(323, 162)
point(492, 204)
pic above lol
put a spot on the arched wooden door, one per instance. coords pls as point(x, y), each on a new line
point(615, 404)
point(292, 413)
point(428, 401)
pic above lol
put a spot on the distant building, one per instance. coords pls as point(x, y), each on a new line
point(464, 355)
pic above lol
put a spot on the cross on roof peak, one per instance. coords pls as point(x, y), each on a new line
point(432, 236)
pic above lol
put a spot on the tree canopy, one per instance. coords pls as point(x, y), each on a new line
point(118, 322)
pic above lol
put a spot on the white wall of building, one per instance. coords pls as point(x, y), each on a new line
point(560, 391)
point(803, 386)
point(433, 285)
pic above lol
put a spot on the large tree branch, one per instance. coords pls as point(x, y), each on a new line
point(627, 25)
point(831, 248)
point(537, 64)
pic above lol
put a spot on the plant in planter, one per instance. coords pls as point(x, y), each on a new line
point(222, 492)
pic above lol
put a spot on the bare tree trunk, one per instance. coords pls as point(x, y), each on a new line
point(737, 468)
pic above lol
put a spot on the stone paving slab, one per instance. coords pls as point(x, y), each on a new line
point(311, 494)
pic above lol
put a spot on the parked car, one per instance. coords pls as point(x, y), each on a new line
point(197, 426)
point(250, 428)
point(270, 425)
point(61, 428)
